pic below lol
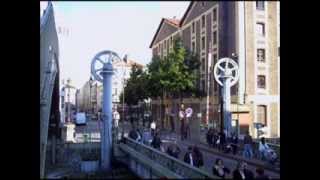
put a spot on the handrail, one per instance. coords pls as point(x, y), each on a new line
point(158, 169)
point(173, 164)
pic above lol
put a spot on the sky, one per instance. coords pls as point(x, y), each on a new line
point(124, 27)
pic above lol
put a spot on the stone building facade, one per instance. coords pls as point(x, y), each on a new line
point(250, 31)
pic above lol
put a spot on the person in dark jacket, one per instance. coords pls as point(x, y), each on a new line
point(234, 143)
point(189, 157)
point(198, 157)
point(156, 142)
point(219, 169)
point(209, 137)
point(260, 174)
point(242, 172)
point(239, 172)
point(247, 151)
point(133, 134)
point(222, 140)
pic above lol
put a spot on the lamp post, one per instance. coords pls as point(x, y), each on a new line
point(235, 57)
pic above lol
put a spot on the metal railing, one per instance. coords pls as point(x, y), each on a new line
point(175, 165)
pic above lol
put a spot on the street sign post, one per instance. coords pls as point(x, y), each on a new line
point(226, 74)
point(102, 70)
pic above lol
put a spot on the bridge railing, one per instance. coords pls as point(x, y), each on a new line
point(175, 165)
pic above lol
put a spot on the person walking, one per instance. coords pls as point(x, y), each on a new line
point(188, 114)
point(153, 128)
point(222, 140)
point(189, 157)
point(166, 117)
point(247, 151)
point(234, 143)
point(219, 169)
point(172, 115)
point(209, 137)
point(182, 117)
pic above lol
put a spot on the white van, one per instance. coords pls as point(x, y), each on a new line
point(81, 119)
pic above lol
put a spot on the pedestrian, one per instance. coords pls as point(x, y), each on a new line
point(198, 157)
point(182, 121)
point(266, 152)
point(222, 140)
point(166, 117)
point(215, 138)
point(189, 157)
point(260, 174)
point(188, 114)
point(146, 137)
point(209, 137)
point(219, 169)
point(172, 115)
point(156, 142)
point(234, 143)
point(247, 151)
point(153, 128)
point(139, 134)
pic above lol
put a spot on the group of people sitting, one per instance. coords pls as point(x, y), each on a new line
point(227, 145)
point(241, 172)
point(219, 140)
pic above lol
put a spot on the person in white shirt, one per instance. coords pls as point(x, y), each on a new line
point(153, 128)
point(266, 152)
point(182, 117)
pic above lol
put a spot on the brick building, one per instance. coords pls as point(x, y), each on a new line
point(248, 29)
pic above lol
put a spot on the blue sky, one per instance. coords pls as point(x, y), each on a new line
point(124, 27)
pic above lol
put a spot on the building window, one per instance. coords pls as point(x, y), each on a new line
point(260, 29)
point(165, 44)
point(203, 3)
point(203, 42)
point(214, 15)
point(262, 114)
point(260, 5)
point(261, 56)
point(193, 47)
point(193, 28)
point(203, 19)
point(261, 81)
point(215, 37)
point(171, 40)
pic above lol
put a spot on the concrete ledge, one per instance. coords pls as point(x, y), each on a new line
point(155, 167)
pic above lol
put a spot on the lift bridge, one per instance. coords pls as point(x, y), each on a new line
point(127, 157)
